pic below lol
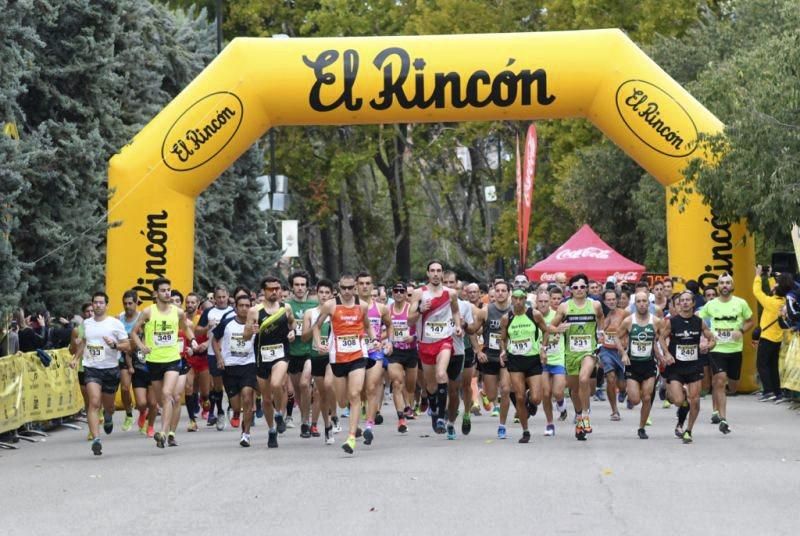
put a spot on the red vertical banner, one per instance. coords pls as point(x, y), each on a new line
point(519, 203)
point(525, 202)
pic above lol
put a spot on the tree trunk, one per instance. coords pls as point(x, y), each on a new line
point(391, 166)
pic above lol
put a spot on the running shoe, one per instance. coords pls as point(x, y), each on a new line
point(440, 426)
point(378, 418)
point(408, 412)
point(204, 414)
point(289, 421)
point(402, 425)
point(723, 427)
point(580, 433)
point(516, 418)
point(766, 397)
point(715, 419)
point(600, 395)
point(587, 427)
point(563, 415)
point(192, 426)
point(280, 424)
point(501, 432)
point(359, 431)
point(423, 405)
point(212, 419)
point(100, 417)
point(780, 399)
point(97, 447)
point(526, 437)
point(629, 404)
point(141, 421)
point(236, 420)
point(336, 426)
point(349, 446)
point(160, 440)
point(529, 405)
point(272, 439)
point(642, 434)
point(314, 431)
point(648, 422)
point(666, 404)
point(108, 424)
point(550, 430)
point(345, 413)
point(259, 409)
point(127, 424)
point(466, 424)
point(476, 409)
point(615, 416)
point(687, 437)
point(451, 431)
point(305, 431)
point(220, 422)
point(151, 432)
point(433, 421)
point(495, 411)
point(245, 440)
point(89, 436)
point(679, 432)
point(329, 440)
point(171, 440)
point(368, 436)
point(621, 396)
point(487, 404)
point(662, 392)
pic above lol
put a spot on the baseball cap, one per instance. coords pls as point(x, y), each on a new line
point(519, 293)
point(399, 286)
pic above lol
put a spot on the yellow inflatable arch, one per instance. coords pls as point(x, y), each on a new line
point(255, 84)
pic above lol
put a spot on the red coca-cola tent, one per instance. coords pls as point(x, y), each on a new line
point(585, 252)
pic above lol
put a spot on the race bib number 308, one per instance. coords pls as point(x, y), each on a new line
point(348, 343)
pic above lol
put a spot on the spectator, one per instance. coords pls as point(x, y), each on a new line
point(9, 342)
point(33, 335)
point(769, 344)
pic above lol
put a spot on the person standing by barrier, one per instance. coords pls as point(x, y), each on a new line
point(101, 338)
point(769, 345)
point(161, 323)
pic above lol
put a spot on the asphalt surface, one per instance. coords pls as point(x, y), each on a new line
point(747, 482)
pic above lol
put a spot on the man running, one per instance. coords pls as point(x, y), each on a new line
point(472, 345)
point(403, 361)
point(682, 359)
point(582, 316)
point(128, 317)
point(435, 309)
point(346, 347)
point(273, 323)
point(233, 348)
point(731, 317)
point(609, 354)
point(554, 373)
point(639, 356)
point(522, 354)
point(101, 339)
point(198, 381)
point(161, 323)
point(457, 361)
point(300, 350)
point(324, 395)
point(208, 321)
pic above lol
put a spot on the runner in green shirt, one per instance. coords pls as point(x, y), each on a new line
point(300, 350)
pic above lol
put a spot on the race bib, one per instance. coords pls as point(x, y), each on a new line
point(641, 349)
point(724, 335)
point(521, 347)
point(580, 343)
point(400, 330)
point(164, 338)
point(271, 352)
point(95, 352)
point(298, 329)
point(140, 356)
point(494, 341)
point(238, 343)
point(686, 352)
point(610, 338)
point(347, 344)
point(553, 347)
point(436, 330)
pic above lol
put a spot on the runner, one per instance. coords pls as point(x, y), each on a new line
point(379, 318)
point(471, 347)
point(522, 354)
point(300, 350)
point(554, 373)
point(128, 317)
point(582, 316)
point(639, 356)
point(490, 365)
point(324, 395)
point(233, 348)
point(346, 345)
point(609, 354)
point(435, 310)
point(185, 349)
point(457, 361)
point(208, 321)
point(273, 323)
point(403, 361)
point(730, 318)
point(101, 339)
point(198, 381)
point(161, 323)
point(145, 398)
point(682, 360)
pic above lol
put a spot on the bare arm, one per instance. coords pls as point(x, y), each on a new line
point(316, 330)
point(251, 324)
point(413, 309)
point(140, 322)
point(307, 335)
point(456, 315)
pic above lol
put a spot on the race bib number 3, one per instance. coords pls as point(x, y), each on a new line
point(521, 347)
point(271, 352)
point(641, 349)
point(348, 344)
point(686, 352)
point(494, 341)
point(436, 330)
point(164, 338)
point(580, 343)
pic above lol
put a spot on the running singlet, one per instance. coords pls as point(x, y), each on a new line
point(136, 355)
point(161, 335)
point(684, 339)
point(523, 335)
point(491, 332)
point(555, 343)
point(465, 311)
point(271, 342)
point(435, 324)
point(726, 317)
point(347, 333)
point(212, 315)
point(581, 335)
point(642, 340)
point(298, 347)
point(375, 320)
point(401, 330)
point(236, 350)
point(96, 353)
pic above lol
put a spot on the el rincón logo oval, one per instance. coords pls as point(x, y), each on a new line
point(202, 131)
point(656, 118)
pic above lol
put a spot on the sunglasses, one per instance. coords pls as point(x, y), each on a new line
point(272, 289)
point(395, 291)
point(578, 287)
point(347, 287)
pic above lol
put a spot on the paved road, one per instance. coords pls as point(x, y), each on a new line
point(745, 483)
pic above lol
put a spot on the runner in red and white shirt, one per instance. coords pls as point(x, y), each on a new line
point(435, 310)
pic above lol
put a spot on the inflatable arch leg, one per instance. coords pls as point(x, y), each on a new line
point(258, 83)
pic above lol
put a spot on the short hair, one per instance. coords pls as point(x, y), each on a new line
point(483, 287)
point(298, 273)
point(448, 273)
point(347, 276)
point(158, 281)
point(269, 279)
point(692, 286)
point(176, 292)
point(432, 262)
point(325, 283)
point(502, 282)
point(555, 289)
point(611, 290)
point(641, 284)
point(243, 297)
point(85, 305)
point(362, 274)
point(239, 290)
point(99, 293)
point(196, 295)
point(222, 287)
point(577, 277)
point(132, 294)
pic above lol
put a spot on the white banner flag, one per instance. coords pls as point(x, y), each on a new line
point(290, 239)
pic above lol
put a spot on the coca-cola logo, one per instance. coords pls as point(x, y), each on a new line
point(590, 252)
point(551, 277)
point(626, 276)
